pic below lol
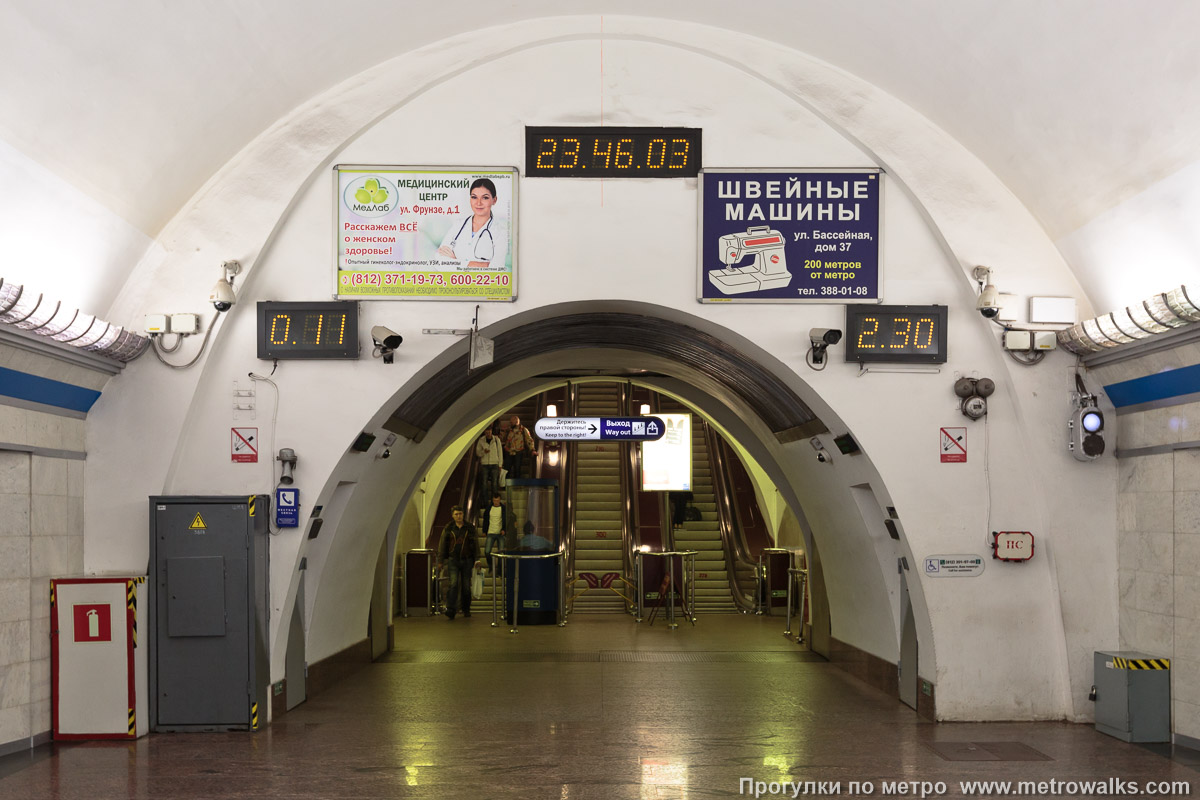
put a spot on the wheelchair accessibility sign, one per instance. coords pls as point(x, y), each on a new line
point(287, 508)
point(953, 566)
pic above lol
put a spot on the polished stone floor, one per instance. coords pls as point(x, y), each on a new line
point(603, 708)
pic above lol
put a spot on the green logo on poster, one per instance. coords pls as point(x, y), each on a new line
point(370, 197)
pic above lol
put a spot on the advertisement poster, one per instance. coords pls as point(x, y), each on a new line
point(773, 236)
point(426, 233)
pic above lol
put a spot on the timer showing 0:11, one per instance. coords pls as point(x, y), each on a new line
point(314, 329)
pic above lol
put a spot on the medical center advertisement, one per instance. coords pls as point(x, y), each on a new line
point(773, 236)
point(426, 233)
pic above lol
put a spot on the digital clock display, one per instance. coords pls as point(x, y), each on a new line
point(604, 152)
point(308, 330)
point(899, 334)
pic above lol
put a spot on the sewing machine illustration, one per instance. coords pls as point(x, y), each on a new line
point(767, 271)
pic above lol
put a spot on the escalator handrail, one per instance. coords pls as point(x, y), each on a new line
point(569, 479)
point(727, 518)
point(629, 511)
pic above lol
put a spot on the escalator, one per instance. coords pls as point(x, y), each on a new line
point(604, 516)
point(599, 505)
point(725, 564)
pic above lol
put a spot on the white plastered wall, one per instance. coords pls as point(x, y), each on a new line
point(1013, 643)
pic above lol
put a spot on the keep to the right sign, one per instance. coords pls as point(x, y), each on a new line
point(629, 429)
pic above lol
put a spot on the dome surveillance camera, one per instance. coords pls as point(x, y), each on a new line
point(822, 456)
point(222, 296)
point(988, 303)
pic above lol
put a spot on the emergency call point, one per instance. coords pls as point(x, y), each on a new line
point(1012, 545)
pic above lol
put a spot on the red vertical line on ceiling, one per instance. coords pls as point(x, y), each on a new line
point(602, 96)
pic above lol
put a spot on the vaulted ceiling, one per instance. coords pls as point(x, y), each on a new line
point(1078, 105)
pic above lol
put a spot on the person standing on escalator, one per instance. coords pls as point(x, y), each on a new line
point(490, 453)
point(495, 523)
point(518, 444)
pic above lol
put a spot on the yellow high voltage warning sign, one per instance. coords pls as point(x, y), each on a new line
point(198, 524)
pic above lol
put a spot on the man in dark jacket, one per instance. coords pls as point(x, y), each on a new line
point(457, 553)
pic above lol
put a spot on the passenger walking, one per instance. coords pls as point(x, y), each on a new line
point(458, 551)
point(495, 523)
point(518, 444)
point(490, 453)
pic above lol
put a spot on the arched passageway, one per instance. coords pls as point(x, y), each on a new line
point(743, 390)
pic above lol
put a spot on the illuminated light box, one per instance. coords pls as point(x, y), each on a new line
point(667, 462)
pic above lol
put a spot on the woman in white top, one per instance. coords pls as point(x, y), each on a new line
point(480, 237)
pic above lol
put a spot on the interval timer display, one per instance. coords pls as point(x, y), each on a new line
point(898, 334)
point(604, 152)
point(308, 330)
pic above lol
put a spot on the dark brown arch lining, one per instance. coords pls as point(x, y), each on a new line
point(759, 389)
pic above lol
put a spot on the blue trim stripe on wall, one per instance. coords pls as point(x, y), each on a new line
point(1164, 385)
point(35, 389)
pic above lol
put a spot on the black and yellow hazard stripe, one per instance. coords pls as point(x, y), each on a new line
point(52, 594)
point(1142, 663)
point(252, 505)
point(131, 604)
point(132, 722)
point(254, 716)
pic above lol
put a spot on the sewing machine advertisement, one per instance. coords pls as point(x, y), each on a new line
point(773, 236)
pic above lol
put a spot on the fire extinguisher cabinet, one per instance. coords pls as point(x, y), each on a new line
point(98, 677)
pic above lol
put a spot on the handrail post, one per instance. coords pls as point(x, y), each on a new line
point(671, 623)
point(692, 584)
point(495, 619)
point(770, 591)
point(641, 591)
point(562, 590)
point(431, 589)
point(516, 592)
point(758, 587)
point(787, 631)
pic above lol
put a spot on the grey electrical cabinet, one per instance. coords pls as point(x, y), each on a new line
point(1133, 696)
point(209, 613)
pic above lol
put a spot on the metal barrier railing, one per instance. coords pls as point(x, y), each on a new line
point(516, 592)
point(795, 576)
point(667, 590)
point(764, 590)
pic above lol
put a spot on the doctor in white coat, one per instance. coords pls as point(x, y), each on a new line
point(480, 237)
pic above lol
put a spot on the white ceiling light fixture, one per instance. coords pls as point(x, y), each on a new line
point(31, 312)
point(1156, 315)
